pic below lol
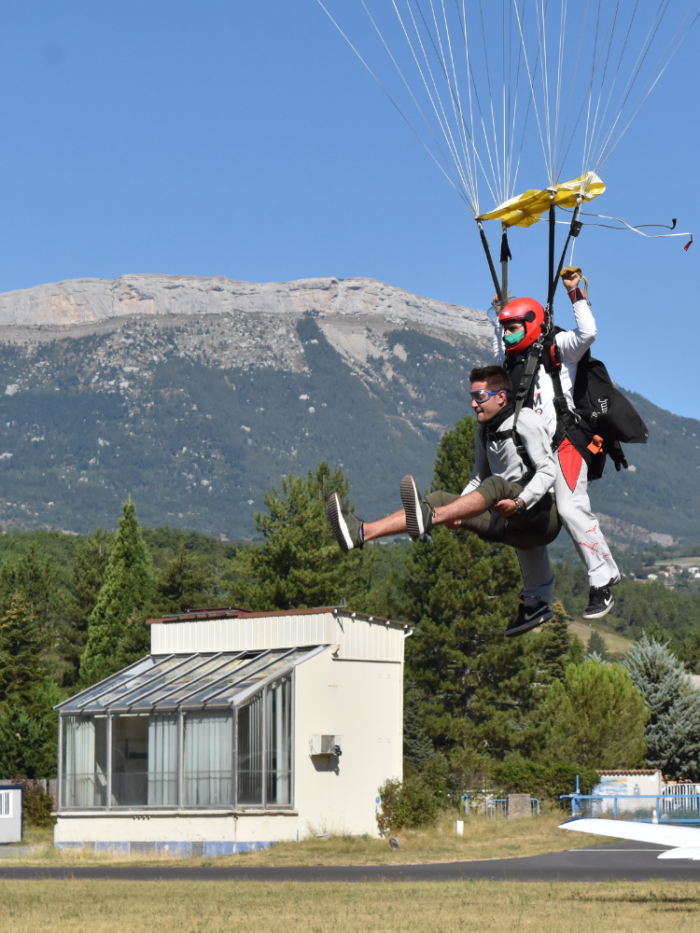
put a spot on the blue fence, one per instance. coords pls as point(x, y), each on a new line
point(647, 808)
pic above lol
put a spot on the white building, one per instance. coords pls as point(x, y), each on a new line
point(238, 730)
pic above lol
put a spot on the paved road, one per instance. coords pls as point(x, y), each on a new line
point(623, 861)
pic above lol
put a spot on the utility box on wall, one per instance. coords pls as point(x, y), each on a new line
point(11, 813)
point(326, 745)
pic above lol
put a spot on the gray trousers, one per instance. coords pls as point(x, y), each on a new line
point(529, 532)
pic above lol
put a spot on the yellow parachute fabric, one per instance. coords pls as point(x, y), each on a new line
point(524, 210)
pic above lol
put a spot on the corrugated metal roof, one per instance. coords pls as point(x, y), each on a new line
point(621, 772)
point(169, 682)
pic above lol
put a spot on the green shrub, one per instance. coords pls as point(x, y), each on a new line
point(37, 805)
point(518, 775)
point(408, 803)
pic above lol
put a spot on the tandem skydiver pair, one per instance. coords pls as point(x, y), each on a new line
point(548, 418)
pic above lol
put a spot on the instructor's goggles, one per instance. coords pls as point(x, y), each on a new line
point(483, 395)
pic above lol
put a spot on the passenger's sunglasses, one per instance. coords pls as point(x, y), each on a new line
point(483, 395)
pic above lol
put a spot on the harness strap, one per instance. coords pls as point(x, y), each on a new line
point(513, 435)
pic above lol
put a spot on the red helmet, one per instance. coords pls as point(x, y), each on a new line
point(525, 311)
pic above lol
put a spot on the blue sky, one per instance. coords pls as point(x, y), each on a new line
point(245, 140)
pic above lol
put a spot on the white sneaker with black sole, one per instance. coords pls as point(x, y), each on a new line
point(347, 528)
point(418, 512)
point(600, 602)
point(529, 617)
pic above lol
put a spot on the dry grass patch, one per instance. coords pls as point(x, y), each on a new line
point(482, 839)
point(211, 907)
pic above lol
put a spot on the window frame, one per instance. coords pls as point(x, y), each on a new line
point(233, 708)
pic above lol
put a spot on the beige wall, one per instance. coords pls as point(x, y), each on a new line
point(363, 702)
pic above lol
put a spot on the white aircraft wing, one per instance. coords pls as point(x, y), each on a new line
point(683, 840)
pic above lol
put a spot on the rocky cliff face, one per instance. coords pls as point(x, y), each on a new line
point(196, 395)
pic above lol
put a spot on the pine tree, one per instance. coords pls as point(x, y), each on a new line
point(116, 633)
point(455, 456)
point(187, 582)
point(21, 647)
point(553, 646)
point(477, 685)
point(596, 646)
point(87, 577)
point(595, 717)
point(673, 730)
point(27, 695)
point(299, 563)
point(417, 744)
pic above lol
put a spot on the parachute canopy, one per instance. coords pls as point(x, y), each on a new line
point(525, 209)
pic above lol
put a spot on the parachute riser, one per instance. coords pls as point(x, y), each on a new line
point(489, 259)
point(574, 229)
point(505, 257)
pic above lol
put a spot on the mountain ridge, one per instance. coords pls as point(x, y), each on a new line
point(197, 395)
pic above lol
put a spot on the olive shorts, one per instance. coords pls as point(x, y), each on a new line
point(537, 526)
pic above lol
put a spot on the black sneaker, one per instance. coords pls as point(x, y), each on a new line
point(347, 528)
point(600, 602)
point(419, 515)
point(529, 617)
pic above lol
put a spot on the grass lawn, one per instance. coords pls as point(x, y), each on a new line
point(474, 906)
point(617, 645)
point(482, 839)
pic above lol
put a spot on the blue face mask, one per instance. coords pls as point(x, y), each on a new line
point(511, 340)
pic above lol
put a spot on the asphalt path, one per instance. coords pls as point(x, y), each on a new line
point(623, 861)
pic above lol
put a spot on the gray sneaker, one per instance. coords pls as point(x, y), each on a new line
point(419, 515)
point(347, 528)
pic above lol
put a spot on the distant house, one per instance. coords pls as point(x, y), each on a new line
point(238, 730)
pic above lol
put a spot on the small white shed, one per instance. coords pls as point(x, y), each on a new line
point(240, 729)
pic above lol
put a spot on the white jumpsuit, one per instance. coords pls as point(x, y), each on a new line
point(571, 481)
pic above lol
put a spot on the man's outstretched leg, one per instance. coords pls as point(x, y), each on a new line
point(352, 532)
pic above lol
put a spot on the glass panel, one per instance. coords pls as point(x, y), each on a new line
point(250, 759)
point(84, 762)
point(162, 761)
point(102, 694)
point(208, 759)
point(130, 761)
point(279, 742)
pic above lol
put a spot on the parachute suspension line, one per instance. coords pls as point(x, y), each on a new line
point(455, 94)
point(463, 24)
point(533, 96)
point(650, 86)
point(449, 172)
point(589, 92)
point(636, 71)
point(542, 38)
point(637, 228)
point(560, 71)
point(527, 111)
point(560, 160)
point(497, 171)
point(442, 121)
point(595, 129)
point(473, 88)
point(616, 70)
